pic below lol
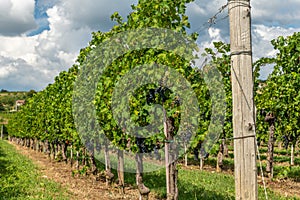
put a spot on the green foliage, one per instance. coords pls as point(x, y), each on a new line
point(220, 58)
point(280, 95)
point(284, 172)
point(47, 115)
point(2, 108)
point(3, 90)
point(155, 14)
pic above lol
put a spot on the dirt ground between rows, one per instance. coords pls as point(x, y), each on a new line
point(79, 187)
point(285, 187)
point(87, 188)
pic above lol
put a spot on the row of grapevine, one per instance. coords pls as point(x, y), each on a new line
point(278, 98)
point(48, 120)
point(47, 123)
point(47, 117)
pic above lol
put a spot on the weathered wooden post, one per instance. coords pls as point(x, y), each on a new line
point(2, 131)
point(243, 106)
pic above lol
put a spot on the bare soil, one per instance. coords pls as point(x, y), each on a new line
point(79, 187)
point(285, 187)
point(88, 188)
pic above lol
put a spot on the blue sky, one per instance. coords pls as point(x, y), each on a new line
point(43, 37)
point(41, 17)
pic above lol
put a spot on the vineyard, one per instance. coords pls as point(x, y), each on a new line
point(147, 133)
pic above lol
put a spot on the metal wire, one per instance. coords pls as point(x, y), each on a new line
point(261, 169)
point(212, 20)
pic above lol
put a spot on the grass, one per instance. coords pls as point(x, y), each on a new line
point(285, 171)
point(282, 168)
point(292, 172)
point(196, 184)
point(282, 152)
point(20, 179)
point(208, 185)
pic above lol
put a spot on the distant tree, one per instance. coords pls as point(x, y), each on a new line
point(2, 108)
point(8, 100)
point(3, 90)
point(31, 93)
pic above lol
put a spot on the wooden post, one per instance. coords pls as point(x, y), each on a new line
point(201, 162)
point(108, 174)
point(185, 155)
point(270, 156)
point(242, 95)
point(71, 155)
point(1, 131)
point(77, 160)
point(121, 170)
point(143, 190)
point(170, 159)
point(166, 153)
point(292, 155)
point(220, 158)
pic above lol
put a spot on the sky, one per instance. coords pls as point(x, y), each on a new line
point(40, 38)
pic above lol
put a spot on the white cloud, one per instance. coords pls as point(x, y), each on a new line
point(276, 12)
point(43, 56)
point(214, 33)
point(16, 17)
point(262, 36)
point(94, 14)
point(269, 21)
point(271, 32)
point(7, 70)
point(262, 47)
point(194, 8)
point(16, 74)
point(33, 62)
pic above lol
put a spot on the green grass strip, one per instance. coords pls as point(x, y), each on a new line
point(20, 178)
point(196, 184)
